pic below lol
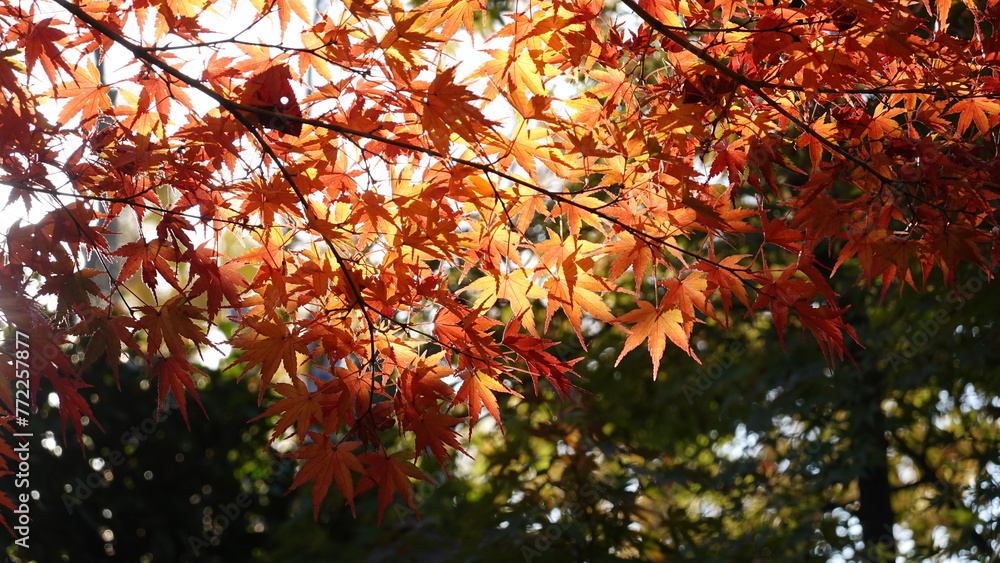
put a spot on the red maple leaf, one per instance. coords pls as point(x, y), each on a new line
point(174, 374)
point(272, 91)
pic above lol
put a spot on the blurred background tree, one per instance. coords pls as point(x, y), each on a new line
point(761, 453)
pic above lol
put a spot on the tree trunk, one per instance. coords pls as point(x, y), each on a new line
point(874, 495)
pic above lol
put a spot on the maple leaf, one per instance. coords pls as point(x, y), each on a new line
point(478, 390)
point(391, 473)
point(327, 462)
point(215, 280)
point(518, 69)
point(979, 110)
point(828, 327)
point(465, 329)
point(433, 431)
point(406, 38)
point(880, 254)
point(571, 286)
point(170, 324)
point(174, 376)
point(270, 199)
point(541, 363)
point(88, 96)
point(420, 383)
point(72, 406)
point(272, 91)
point(688, 295)
point(818, 213)
point(299, 407)
point(449, 110)
point(631, 254)
point(654, 325)
point(153, 257)
point(729, 158)
point(269, 343)
point(108, 333)
point(951, 244)
point(575, 297)
point(788, 293)
point(778, 232)
point(44, 44)
point(271, 261)
point(515, 286)
point(448, 326)
point(729, 278)
point(72, 289)
point(453, 14)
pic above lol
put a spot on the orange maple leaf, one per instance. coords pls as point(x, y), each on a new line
point(433, 431)
point(654, 325)
point(477, 391)
point(267, 342)
point(327, 462)
point(514, 286)
point(391, 474)
point(299, 407)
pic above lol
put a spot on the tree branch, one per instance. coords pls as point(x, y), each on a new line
point(235, 108)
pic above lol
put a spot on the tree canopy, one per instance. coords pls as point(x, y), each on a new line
point(388, 216)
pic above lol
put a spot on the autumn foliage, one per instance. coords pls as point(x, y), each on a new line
point(392, 222)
